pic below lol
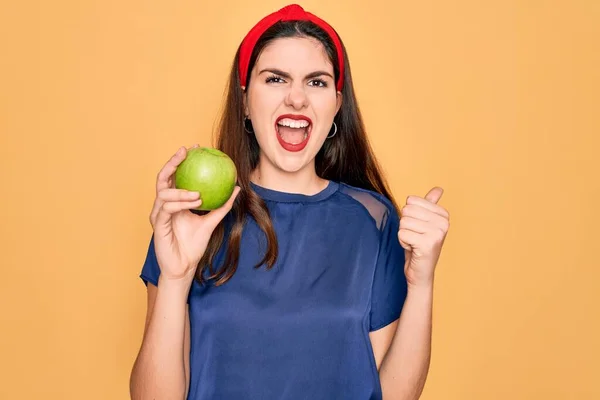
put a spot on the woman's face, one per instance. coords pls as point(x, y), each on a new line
point(291, 101)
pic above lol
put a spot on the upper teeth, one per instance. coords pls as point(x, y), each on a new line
point(293, 123)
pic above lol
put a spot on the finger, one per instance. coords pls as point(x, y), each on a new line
point(408, 238)
point(155, 209)
point(215, 216)
point(172, 194)
point(415, 225)
point(163, 179)
point(172, 207)
point(405, 246)
point(434, 195)
point(169, 208)
point(420, 213)
point(415, 200)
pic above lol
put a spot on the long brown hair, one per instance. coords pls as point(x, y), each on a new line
point(347, 157)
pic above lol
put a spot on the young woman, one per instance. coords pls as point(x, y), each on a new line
point(307, 284)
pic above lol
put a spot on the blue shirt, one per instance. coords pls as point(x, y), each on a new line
point(301, 329)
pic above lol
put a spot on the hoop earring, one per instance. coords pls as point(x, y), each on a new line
point(246, 119)
point(334, 132)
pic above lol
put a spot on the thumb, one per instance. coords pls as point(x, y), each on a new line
point(434, 195)
point(215, 216)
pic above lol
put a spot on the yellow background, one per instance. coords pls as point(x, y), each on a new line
point(496, 101)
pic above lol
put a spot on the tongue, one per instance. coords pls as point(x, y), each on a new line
point(291, 135)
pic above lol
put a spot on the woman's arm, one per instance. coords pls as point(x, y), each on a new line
point(161, 369)
point(423, 228)
point(403, 349)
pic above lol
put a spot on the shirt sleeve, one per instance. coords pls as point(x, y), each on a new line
point(150, 269)
point(389, 283)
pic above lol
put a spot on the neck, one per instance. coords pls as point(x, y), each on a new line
point(305, 181)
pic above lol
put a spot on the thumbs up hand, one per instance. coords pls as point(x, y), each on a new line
point(423, 228)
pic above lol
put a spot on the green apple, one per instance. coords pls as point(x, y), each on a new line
point(209, 172)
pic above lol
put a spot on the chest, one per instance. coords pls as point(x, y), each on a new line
point(323, 273)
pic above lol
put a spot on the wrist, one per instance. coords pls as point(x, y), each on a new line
point(176, 286)
point(423, 289)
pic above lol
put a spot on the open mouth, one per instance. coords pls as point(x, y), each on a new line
point(293, 131)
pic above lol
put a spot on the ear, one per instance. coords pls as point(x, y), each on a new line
point(338, 101)
point(245, 100)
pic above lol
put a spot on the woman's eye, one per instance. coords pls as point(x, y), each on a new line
point(274, 79)
point(318, 83)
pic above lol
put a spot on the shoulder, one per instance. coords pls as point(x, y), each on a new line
point(378, 206)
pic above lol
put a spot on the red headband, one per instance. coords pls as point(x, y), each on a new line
point(292, 12)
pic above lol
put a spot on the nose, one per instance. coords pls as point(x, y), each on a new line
point(296, 97)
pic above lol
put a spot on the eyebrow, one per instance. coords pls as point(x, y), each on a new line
point(288, 76)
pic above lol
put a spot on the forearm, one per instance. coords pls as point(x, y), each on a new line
point(404, 370)
point(159, 371)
